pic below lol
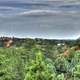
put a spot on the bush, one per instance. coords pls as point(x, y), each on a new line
point(8, 64)
point(33, 64)
point(39, 69)
point(76, 72)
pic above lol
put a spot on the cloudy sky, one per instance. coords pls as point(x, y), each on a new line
point(58, 19)
point(38, 0)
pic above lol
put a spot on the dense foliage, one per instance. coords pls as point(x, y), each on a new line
point(40, 61)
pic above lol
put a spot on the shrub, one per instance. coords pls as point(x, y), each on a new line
point(39, 69)
point(76, 72)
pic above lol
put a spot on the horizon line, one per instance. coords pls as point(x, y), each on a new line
point(41, 38)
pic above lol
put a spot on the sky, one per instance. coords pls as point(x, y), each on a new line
point(61, 21)
point(38, 0)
